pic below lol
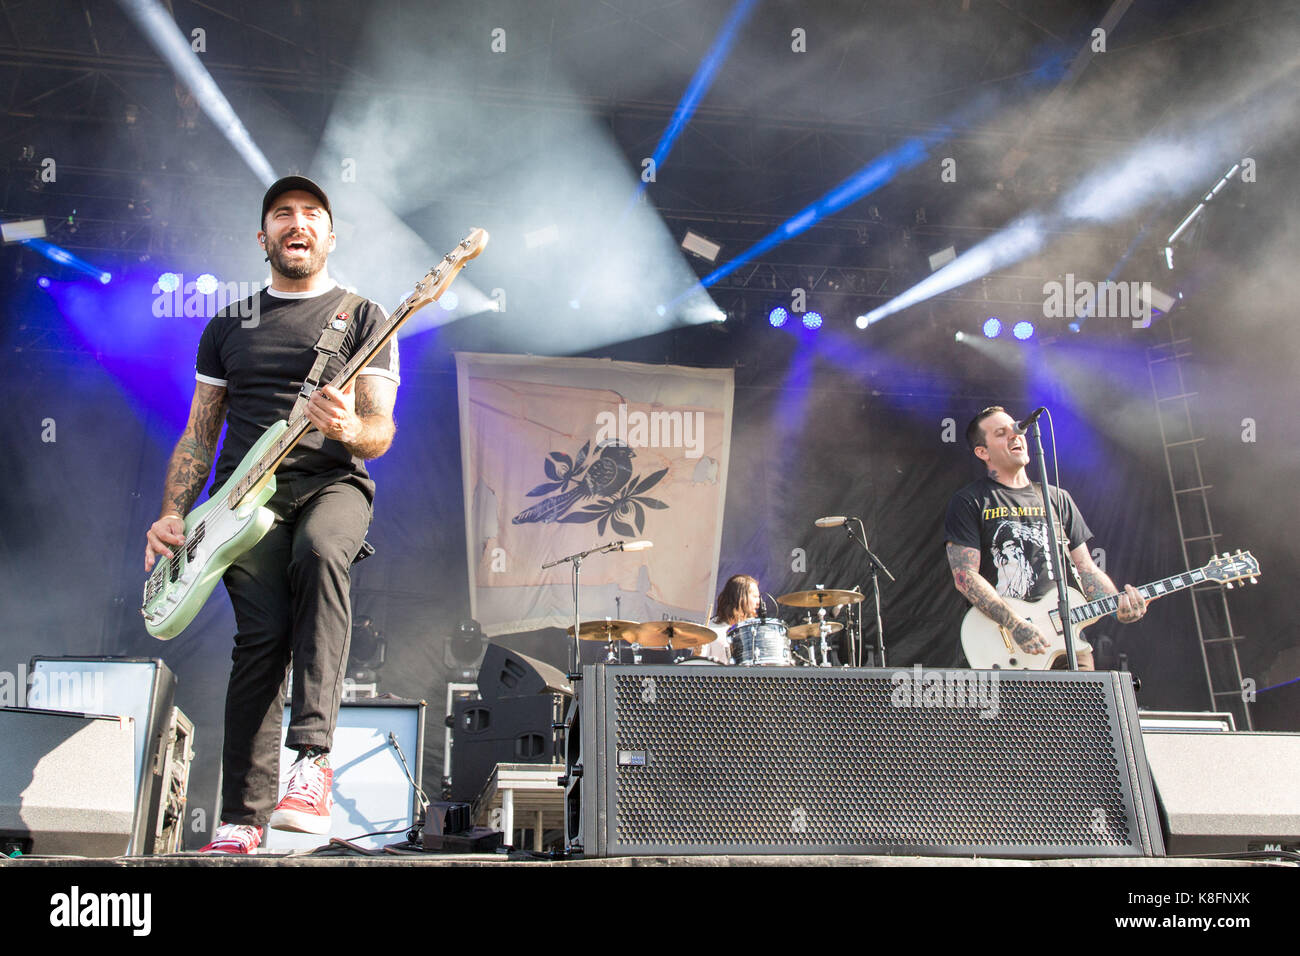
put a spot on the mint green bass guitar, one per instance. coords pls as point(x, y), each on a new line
point(235, 517)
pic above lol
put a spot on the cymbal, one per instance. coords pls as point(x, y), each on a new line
point(675, 633)
point(603, 631)
point(802, 632)
point(821, 597)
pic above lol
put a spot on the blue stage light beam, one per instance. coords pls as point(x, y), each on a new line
point(65, 258)
point(865, 181)
point(172, 45)
point(700, 83)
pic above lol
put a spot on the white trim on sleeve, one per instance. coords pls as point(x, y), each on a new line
point(209, 380)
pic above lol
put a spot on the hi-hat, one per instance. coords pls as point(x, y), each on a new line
point(802, 632)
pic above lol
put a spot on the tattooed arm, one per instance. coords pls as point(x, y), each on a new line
point(360, 417)
point(1096, 583)
point(188, 470)
point(966, 577)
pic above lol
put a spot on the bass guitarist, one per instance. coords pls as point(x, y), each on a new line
point(290, 592)
point(996, 537)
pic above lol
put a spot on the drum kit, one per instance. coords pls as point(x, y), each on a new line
point(756, 642)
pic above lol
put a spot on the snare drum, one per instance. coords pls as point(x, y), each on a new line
point(759, 641)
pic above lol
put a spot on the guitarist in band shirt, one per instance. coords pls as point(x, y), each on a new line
point(290, 592)
point(997, 538)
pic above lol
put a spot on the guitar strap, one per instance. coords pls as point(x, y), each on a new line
point(327, 346)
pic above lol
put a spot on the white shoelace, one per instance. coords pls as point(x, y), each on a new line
point(240, 833)
point(306, 779)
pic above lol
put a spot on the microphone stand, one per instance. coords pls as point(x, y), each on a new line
point(1055, 554)
point(879, 650)
point(575, 672)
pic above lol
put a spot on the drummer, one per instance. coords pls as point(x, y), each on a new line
point(738, 601)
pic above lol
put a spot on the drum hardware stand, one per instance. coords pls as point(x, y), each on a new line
point(575, 656)
point(876, 563)
point(822, 630)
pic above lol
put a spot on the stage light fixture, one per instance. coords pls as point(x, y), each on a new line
point(942, 258)
point(1023, 330)
point(777, 317)
point(43, 282)
point(20, 230)
point(169, 282)
point(697, 245)
point(105, 278)
point(812, 320)
point(206, 284)
point(449, 301)
point(992, 327)
point(862, 321)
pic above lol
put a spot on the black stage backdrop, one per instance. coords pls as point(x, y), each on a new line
point(818, 430)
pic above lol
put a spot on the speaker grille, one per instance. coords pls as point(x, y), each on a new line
point(788, 758)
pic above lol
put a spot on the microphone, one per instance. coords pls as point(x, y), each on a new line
point(834, 521)
point(635, 545)
point(1022, 427)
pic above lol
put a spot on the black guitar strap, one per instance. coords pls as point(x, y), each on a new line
point(327, 346)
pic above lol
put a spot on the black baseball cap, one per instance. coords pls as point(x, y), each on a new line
point(287, 184)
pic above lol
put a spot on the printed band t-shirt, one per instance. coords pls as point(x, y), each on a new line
point(262, 365)
point(1008, 527)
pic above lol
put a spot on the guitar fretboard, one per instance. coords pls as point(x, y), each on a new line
point(1110, 603)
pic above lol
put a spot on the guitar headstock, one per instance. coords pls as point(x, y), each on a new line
point(1232, 567)
point(437, 279)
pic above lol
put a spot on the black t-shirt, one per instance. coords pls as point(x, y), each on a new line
point(1008, 528)
point(263, 364)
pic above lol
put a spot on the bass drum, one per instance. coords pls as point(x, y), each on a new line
point(760, 642)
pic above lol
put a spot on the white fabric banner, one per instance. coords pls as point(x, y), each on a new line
point(560, 455)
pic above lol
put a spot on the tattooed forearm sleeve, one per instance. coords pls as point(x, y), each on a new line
point(965, 564)
point(375, 397)
point(191, 461)
point(1095, 581)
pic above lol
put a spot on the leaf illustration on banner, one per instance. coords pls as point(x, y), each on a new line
point(568, 471)
point(628, 504)
point(605, 476)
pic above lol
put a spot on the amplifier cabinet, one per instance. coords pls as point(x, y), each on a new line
point(783, 760)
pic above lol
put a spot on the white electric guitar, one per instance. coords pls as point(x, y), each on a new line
point(990, 645)
point(234, 519)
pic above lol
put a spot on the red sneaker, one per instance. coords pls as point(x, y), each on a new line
point(234, 838)
point(307, 804)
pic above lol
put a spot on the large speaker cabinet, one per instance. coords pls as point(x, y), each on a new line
point(735, 760)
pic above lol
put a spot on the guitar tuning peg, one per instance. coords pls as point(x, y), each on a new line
point(1228, 585)
point(1254, 580)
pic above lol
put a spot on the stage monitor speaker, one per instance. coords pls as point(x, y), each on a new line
point(143, 688)
point(505, 673)
point(67, 782)
point(786, 760)
point(371, 790)
point(488, 732)
point(1226, 792)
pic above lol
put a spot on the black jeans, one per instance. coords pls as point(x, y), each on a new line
point(291, 598)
